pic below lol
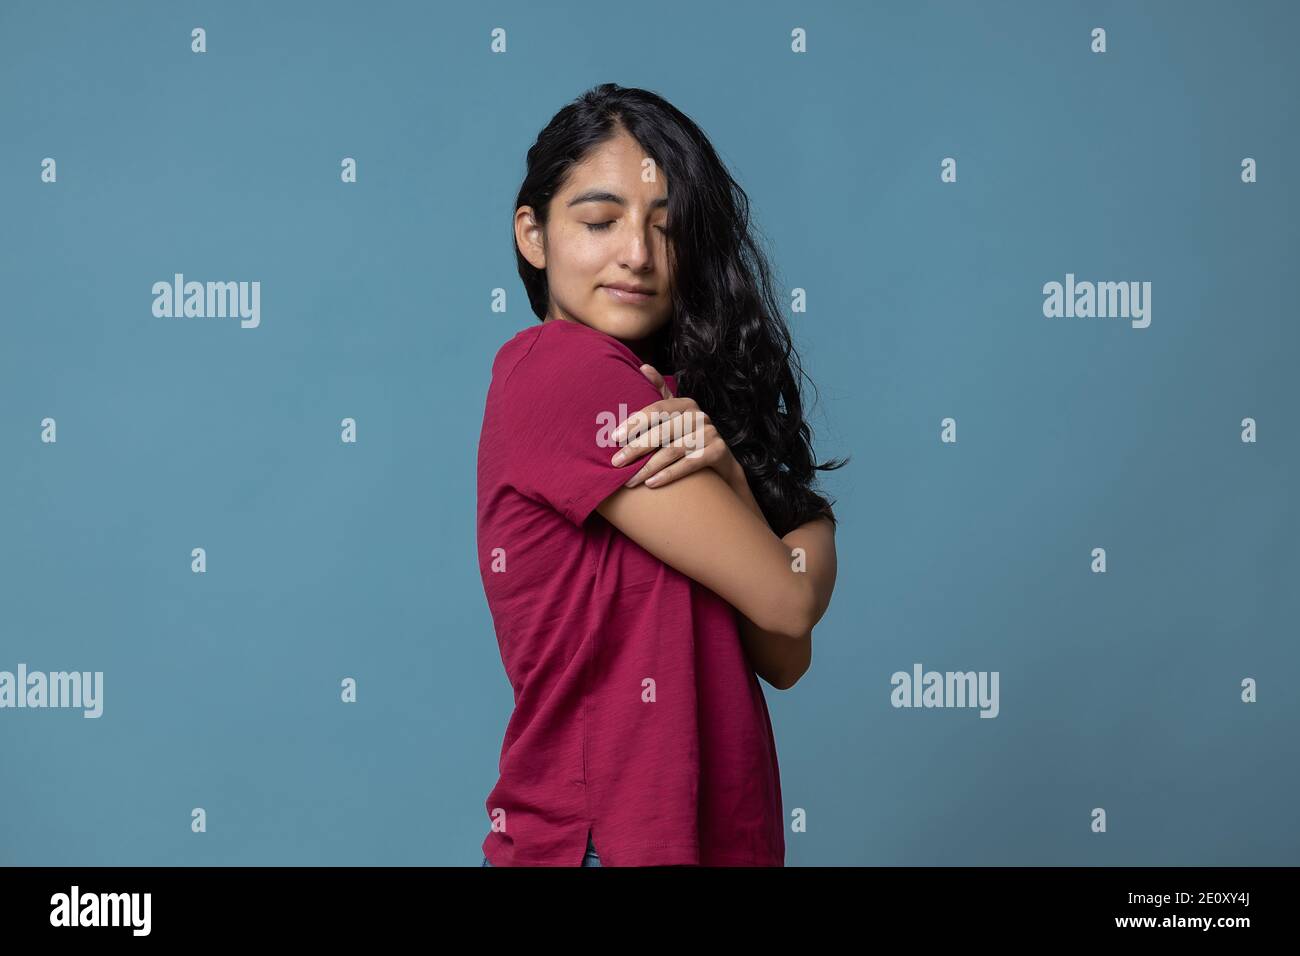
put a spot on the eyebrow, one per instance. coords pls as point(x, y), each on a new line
point(602, 195)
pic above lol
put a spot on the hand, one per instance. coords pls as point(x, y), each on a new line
point(686, 439)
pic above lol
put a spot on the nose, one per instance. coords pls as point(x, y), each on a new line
point(636, 253)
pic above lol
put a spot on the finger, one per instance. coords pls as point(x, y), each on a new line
point(650, 415)
point(654, 466)
point(702, 441)
point(629, 452)
point(680, 468)
point(652, 373)
point(685, 455)
point(668, 430)
point(631, 425)
point(666, 427)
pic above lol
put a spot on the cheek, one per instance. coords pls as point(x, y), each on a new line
point(580, 256)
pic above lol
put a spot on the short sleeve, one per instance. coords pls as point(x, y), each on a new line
point(560, 403)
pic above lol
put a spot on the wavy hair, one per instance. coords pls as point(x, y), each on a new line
point(726, 344)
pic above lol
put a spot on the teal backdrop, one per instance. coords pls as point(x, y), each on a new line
point(1120, 691)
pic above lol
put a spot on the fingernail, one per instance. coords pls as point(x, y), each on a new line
point(653, 479)
point(617, 459)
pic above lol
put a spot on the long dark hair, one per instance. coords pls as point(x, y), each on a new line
point(727, 344)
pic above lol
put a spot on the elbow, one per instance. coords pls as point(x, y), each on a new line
point(789, 608)
point(797, 666)
point(788, 611)
point(802, 613)
point(789, 622)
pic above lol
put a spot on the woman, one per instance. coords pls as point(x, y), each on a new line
point(632, 614)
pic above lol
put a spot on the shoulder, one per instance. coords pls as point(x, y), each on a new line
point(560, 351)
point(512, 352)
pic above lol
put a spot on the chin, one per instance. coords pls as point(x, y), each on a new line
point(630, 327)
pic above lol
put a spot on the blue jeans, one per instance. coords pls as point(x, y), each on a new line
point(589, 858)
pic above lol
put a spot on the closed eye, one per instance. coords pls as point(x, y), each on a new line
point(602, 226)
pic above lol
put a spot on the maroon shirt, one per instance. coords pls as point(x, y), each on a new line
point(637, 716)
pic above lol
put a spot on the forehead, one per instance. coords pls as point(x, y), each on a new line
point(616, 166)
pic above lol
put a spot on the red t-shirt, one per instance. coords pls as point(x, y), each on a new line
point(637, 716)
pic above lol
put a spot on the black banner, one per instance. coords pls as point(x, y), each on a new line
point(334, 905)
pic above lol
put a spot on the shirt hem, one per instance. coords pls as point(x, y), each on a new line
point(652, 854)
point(583, 503)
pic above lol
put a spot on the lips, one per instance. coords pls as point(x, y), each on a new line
point(627, 295)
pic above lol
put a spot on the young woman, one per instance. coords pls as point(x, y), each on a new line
point(634, 612)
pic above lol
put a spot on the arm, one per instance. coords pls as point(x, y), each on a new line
point(817, 539)
point(699, 526)
point(779, 658)
point(770, 653)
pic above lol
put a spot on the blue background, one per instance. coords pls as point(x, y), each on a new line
point(325, 560)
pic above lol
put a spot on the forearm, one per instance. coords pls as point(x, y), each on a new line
point(777, 658)
point(816, 539)
point(738, 483)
